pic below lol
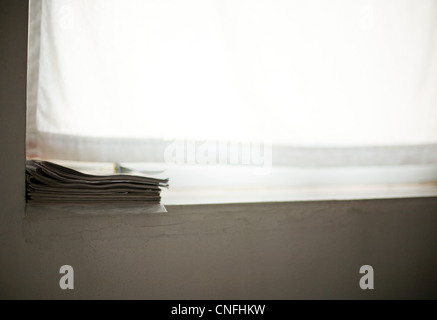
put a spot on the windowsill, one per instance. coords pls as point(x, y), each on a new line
point(193, 196)
point(191, 186)
point(208, 184)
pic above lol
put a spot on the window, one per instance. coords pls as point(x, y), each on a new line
point(312, 89)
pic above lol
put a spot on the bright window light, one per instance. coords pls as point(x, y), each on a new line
point(323, 83)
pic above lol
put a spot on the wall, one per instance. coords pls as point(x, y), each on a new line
point(247, 251)
point(13, 26)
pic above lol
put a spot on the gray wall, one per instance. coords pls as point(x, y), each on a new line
point(284, 251)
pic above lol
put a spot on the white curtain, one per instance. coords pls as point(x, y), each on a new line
point(324, 82)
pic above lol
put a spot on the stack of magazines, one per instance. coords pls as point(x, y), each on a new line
point(47, 182)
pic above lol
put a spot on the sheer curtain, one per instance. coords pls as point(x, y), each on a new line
point(321, 82)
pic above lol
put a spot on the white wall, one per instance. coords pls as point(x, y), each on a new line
point(297, 250)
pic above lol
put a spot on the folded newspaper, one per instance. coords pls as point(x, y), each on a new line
point(47, 182)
